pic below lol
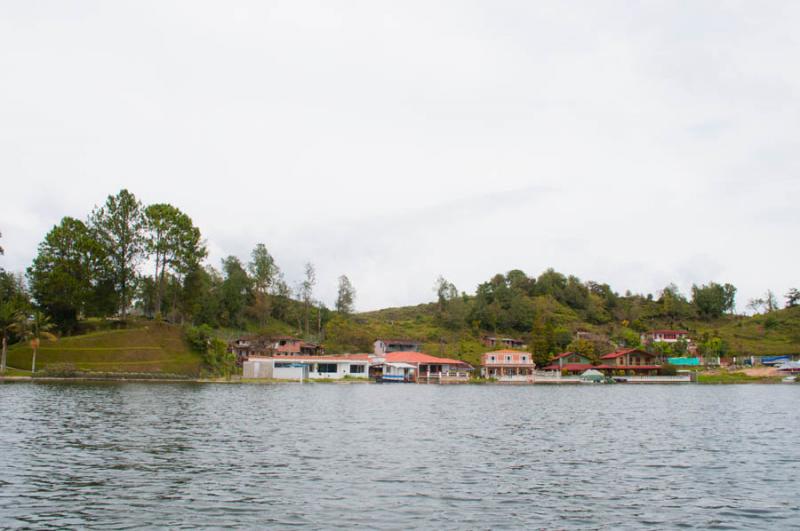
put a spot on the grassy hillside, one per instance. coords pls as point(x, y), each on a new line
point(775, 333)
point(771, 334)
point(149, 348)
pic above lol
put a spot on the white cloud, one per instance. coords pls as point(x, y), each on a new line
point(396, 141)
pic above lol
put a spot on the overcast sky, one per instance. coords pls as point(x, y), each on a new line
point(625, 142)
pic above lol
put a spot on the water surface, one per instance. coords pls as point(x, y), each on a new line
point(398, 456)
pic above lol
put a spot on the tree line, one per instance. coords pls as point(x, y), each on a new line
point(96, 267)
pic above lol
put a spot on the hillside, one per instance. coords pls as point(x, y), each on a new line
point(150, 348)
point(775, 333)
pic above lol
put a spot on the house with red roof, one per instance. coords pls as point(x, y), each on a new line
point(631, 361)
point(569, 363)
point(408, 366)
point(508, 366)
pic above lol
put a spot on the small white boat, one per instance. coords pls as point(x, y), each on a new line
point(789, 379)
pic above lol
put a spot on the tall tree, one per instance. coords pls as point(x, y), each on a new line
point(174, 243)
point(263, 271)
point(770, 301)
point(236, 291)
point(714, 299)
point(68, 275)
point(119, 227)
point(307, 291)
point(346, 296)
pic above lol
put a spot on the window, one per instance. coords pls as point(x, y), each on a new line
point(327, 367)
point(524, 358)
point(492, 358)
point(356, 369)
point(508, 359)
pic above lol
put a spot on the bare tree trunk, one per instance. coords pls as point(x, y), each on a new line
point(3, 357)
point(33, 362)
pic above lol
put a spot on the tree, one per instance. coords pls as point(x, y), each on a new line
point(34, 328)
point(263, 271)
point(174, 243)
point(307, 291)
point(346, 296)
point(755, 304)
point(69, 276)
point(770, 301)
point(119, 227)
point(793, 298)
point(262, 268)
point(713, 300)
point(9, 316)
point(2, 251)
point(673, 304)
point(236, 291)
point(583, 347)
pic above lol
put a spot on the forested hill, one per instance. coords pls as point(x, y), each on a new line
point(548, 311)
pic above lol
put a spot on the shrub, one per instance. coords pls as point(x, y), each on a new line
point(667, 370)
point(59, 370)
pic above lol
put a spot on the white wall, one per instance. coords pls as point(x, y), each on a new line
point(342, 370)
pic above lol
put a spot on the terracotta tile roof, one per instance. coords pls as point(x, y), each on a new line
point(665, 331)
point(507, 351)
point(623, 351)
point(564, 355)
point(569, 367)
point(309, 359)
point(419, 357)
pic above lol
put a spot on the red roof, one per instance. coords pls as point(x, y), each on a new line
point(629, 367)
point(506, 351)
point(623, 351)
point(665, 331)
point(306, 359)
point(569, 367)
point(564, 355)
point(419, 357)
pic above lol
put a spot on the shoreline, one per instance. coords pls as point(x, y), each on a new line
point(51, 379)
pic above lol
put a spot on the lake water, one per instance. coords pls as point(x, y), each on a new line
point(398, 456)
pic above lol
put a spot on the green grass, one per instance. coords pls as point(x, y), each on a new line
point(10, 371)
point(733, 378)
point(149, 348)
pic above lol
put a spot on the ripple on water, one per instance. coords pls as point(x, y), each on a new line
point(398, 457)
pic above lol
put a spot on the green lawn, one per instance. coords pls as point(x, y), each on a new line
point(151, 348)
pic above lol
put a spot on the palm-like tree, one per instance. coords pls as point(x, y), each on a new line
point(9, 316)
point(35, 327)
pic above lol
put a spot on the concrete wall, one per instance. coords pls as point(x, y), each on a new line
point(257, 369)
point(342, 370)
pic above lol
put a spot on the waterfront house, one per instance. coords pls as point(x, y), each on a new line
point(507, 342)
point(664, 336)
point(305, 368)
point(631, 361)
point(569, 363)
point(383, 346)
point(426, 368)
point(508, 365)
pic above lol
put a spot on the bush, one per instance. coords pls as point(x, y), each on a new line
point(667, 370)
point(59, 370)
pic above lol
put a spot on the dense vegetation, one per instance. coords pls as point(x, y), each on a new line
point(128, 264)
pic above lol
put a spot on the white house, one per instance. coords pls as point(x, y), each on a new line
point(317, 367)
